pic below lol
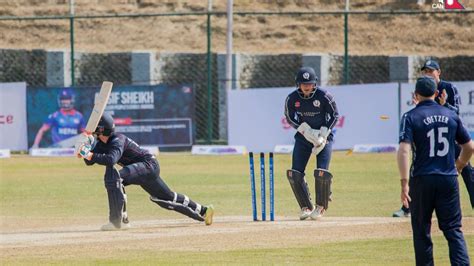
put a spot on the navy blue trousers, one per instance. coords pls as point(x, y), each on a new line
point(467, 174)
point(302, 152)
point(147, 175)
point(440, 194)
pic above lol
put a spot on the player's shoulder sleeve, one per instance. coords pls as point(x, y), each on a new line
point(118, 141)
point(462, 136)
point(112, 152)
point(454, 99)
point(328, 96)
point(331, 109)
point(406, 130)
point(290, 110)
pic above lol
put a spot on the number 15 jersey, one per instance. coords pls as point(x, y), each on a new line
point(432, 130)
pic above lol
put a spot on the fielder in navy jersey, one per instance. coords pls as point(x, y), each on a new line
point(430, 132)
point(448, 97)
point(139, 167)
point(65, 123)
point(312, 111)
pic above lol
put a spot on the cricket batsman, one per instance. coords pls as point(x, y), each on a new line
point(139, 167)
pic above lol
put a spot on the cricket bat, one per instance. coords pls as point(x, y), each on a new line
point(97, 112)
point(99, 106)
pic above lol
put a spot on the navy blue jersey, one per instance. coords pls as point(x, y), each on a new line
point(454, 100)
point(432, 131)
point(119, 149)
point(318, 110)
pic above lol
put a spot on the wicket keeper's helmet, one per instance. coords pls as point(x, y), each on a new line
point(106, 125)
point(306, 75)
point(66, 94)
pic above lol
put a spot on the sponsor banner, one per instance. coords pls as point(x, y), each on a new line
point(256, 118)
point(375, 148)
point(172, 132)
point(368, 114)
point(466, 109)
point(61, 152)
point(52, 152)
point(283, 149)
point(13, 116)
point(158, 115)
point(218, 150)
point(5, 153)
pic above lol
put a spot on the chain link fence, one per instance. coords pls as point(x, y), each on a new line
point(104, 50)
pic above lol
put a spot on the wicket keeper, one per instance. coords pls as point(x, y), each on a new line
point(312, 111)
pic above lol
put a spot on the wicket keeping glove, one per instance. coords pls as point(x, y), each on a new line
point(321, 140)
point(309, 134)
point(85, 151)
point(317, 150)
point(323, 136)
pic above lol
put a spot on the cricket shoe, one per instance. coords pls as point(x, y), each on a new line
point(125, 218)
point(401, 213)
point(317, 212)
point(305, 213)
point(209, 215)
point(112, 227)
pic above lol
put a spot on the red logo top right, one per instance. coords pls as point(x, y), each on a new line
point(448, 5)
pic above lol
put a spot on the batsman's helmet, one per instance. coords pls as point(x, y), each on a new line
point(106, 125)
point(66, 94)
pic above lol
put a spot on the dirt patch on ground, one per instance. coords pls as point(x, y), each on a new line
point(227, 233)
point(423, 34)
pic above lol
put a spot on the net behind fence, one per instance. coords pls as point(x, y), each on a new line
point(268, 50)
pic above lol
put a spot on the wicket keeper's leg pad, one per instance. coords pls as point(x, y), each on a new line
point(181, 204)
point(115, 194)
point(323, 180)
point(300, 188)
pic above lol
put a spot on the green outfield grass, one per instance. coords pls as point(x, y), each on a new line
point(58, 191)
point(364, 252)
point(364, 185)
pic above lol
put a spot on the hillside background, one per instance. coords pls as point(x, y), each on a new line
point(440, 34)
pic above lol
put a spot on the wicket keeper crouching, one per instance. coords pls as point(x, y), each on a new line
point(313, 113)
point(139, 167)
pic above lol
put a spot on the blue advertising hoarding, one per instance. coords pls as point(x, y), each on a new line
point(160, 115)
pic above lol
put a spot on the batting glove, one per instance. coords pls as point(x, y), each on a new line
point(85, 152)
point(83, 139)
